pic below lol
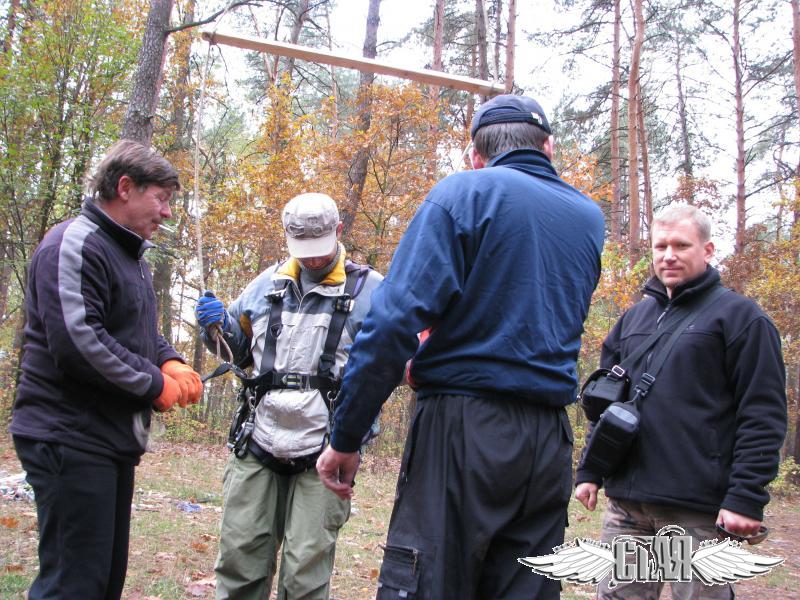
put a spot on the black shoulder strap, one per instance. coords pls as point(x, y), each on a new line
point(274, 326)
point(621, 370)
point(695, 310)
point(342, 305)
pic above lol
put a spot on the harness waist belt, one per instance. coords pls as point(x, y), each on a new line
point(283, 466)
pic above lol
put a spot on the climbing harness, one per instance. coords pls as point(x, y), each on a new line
point(254, 388)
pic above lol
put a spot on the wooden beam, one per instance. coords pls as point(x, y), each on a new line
point(469, 84)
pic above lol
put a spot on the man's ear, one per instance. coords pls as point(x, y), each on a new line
point(124, 186)
point(708, 251)
point(547, 147)
point(339, 229)
point(478, 162)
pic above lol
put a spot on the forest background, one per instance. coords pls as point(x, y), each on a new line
point(652, 102)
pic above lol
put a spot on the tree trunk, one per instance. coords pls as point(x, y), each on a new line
point(633, 150)
point(138, 124)
point(334, 83)
point(796, 71)
point(438, 40)
point(438, 65)
point(498, 35)
point(687, 165)
point(358, 168)
point(11, 23)
point(481, 43)
point(648, 189)
point(616, 171)
point(6, 258)
point(470, 112)
point(738, 93)
point(164, 266)
point(294, 35)
point(510, 41)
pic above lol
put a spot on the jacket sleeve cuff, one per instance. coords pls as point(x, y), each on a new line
point(743, 507)
point(586, 476)
point(344, 442)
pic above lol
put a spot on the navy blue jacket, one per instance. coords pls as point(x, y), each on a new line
point(501, 262)
point(90, 370)
point(714, 420)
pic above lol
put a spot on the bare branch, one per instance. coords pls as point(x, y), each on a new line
point(214, 16)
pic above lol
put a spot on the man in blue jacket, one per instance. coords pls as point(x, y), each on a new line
point(500, 262)
point(711, 425)
point(94, 368)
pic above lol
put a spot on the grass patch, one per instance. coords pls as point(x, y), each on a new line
point(172, 552)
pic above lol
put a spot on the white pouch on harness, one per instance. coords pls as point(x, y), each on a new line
point(291, 423)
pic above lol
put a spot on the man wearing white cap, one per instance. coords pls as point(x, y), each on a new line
point(294, 324)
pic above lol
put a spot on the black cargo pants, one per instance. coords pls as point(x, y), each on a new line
point(482, 483)
point(83, 504)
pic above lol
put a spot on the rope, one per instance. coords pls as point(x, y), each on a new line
point(215, 331)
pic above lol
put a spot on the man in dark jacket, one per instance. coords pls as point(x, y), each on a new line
point(500, 262)
point(94, 367)
point(714, 420)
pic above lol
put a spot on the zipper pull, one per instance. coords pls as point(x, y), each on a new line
point(141, 268)
point(662, 315)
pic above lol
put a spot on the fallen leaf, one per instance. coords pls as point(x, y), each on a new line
point(198, 589)
point(9, 522)
point(14, 568)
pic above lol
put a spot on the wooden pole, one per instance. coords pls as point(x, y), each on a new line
point(469, 84)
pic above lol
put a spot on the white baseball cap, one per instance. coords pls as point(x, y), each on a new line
point(310, 221)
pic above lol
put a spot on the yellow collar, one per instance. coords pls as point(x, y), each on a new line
point(291, 268)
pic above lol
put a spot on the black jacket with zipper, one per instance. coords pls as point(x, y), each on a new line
point(714, 420)
point(91, 367)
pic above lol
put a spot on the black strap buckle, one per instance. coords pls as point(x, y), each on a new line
point(617, 372)
point(276, 296)
point(293, 381)
point(643, 387)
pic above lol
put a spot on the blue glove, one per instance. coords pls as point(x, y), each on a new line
point(210, 310)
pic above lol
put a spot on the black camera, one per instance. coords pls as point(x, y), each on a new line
point(611, 438)
point(601, 389)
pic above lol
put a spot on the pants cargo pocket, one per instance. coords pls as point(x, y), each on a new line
point(337, 511)
point(400, 572)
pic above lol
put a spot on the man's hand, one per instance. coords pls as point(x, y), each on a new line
point(337, 470)
point(170, 394)
point(209, 310)
point(188, 379)
point(587, 494)
point(738, 524)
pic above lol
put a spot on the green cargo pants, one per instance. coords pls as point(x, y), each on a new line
point(263, 510)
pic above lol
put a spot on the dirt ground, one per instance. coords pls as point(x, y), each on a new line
point(177, 506)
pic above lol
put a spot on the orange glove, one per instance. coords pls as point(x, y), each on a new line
point(169, 395)
point(187, 378)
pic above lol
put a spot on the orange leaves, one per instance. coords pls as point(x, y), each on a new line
point(313, 151)
point(9, 522)
point(582, 171)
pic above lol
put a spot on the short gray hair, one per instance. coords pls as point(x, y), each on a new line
point(675, 213)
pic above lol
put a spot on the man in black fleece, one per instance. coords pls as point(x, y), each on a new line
point(94, 368)
point(714, 420)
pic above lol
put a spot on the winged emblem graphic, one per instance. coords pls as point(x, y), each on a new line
point(717, 562)
point(580, 561)
point(585, 561)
